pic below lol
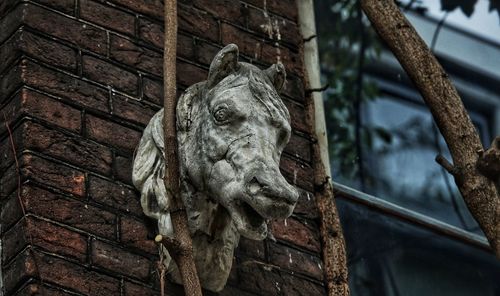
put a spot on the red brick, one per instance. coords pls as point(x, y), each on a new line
point(149, 7)
point(112, 134)
point(153, 90)
point(22, 268)
point(81, 34)
point(132, 110)
point(43, 107)
point(47, 236)
point(69, 211)
point(205, 52)
point(124, 51)
point(119, 261)
point(75, 277)
point(72, 89)
point(52, 174)
point(107, 16)
point(259, 278)
point(296, 261)
point(123, 169)
point(306, 206)
point(110, 75)
point(198, 23)
point(298, 233)
point(114, 195)
point(67, 147)
point(134, 233)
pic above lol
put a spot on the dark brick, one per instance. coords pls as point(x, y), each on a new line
point(260, 278)
point(298, 116)
point(131, 54)
point(259, 21)
point(120, 261)
point(295, 286)
point(107, 16)
point(48, 51)
point(52, 174)
point(151, 32)
point(134, 233)
point(75, 277)
point(231, 291)
point(132, 110)
point(72, 89)
point(66, 6)
point(149, 7)
point(112, 134)
point(131, 289)
point(233, 11)
point(287, 8)
point(11, 211)
point(123, 169)
point(299, 147)
point(188, 74)
point(153, 90)
point(6, 5)
point(205, 52)
point(251, 248)
point(295, 261)
point(81, 34)
point(198, 23)
point(69, 211)
point(110, 75)
point(8, 181)
point(12, 21)
point(11, 81)
point(38, 289)
point(294, 88)
point(298, 233)
point(114, 195)
point(67, 147)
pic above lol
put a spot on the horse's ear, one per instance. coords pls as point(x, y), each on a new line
point(224, 63)
point(277, 75)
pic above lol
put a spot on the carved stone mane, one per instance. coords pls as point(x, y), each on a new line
point(231, 131)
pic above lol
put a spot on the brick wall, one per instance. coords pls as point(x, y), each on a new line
point(79, 80)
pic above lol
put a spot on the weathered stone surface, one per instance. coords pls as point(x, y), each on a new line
point(232, 129)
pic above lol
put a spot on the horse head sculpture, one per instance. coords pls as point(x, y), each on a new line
point(231, 130)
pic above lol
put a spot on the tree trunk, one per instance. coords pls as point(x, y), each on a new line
point(478, 191)
point(180, 247)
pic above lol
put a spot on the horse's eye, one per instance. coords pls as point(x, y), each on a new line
point(221, 115)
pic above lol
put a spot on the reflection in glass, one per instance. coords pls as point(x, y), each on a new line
point(387, 256)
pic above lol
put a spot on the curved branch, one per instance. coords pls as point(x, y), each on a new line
point(479, 192)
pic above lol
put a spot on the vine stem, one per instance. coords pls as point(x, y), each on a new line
point(180, 246)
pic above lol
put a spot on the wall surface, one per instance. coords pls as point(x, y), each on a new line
point(79, 80)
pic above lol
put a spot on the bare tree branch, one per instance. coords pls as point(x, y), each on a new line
point(479, 192)
point(180, 247)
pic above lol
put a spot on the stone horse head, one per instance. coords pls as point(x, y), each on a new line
point(231, 130)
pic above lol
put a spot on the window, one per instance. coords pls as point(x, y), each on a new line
point(407, 229)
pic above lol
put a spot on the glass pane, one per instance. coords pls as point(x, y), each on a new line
point(387, 256)
point(399, 161)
